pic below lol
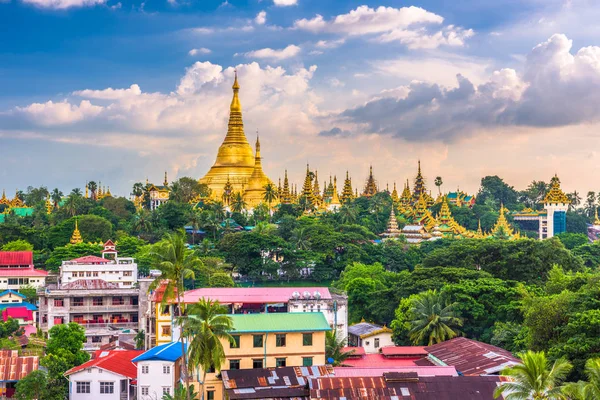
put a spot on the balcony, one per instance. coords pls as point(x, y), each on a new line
point(109, 325)
point(104, 308)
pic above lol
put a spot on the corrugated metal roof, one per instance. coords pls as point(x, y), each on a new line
point(379, 371)
point(12, 292)
point(117, 361)
point(280, 322)
point(378, 360)
point(21, 272)
point(364, 328)
point(90, 260)
point(252, 295)
point(14, 258)
point(17, 313)
point(14, 368)
point(471, 357)
point(166, 352)
point(25, 304)
point(391, 351)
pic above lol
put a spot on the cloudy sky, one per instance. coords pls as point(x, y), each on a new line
point(117, 91)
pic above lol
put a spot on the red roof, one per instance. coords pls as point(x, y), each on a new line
point(252, 295)
point(22, 272)
point(14, 368)
point(378, 360)
point(404, 351)
point(117, 361)
point(358, 351)
point(375, 371)
point(90, 260)
point(109, 243)
point(17, 313)
point(14, 258)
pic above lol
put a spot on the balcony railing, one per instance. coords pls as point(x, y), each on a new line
point(118, 325)
point(105, 307)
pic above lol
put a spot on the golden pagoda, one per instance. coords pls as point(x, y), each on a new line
point(334, 203)
point(4, 200)
point(76, 237)
point(392, 230)
point(502, 229)
point(596, 219)
point(479, 234)
point(307, 188)
point(446, 223)
point(235, 159)
point(108, 193)
point(254, 192)
point(347, 194)
point(16, 201)
point(286, 195)
point(555, 195)
point(370, 186)
point(49, 205)
point(395, 197)
point(406, 196)
point(227, 195)
point(419, 189)
point(316, 189)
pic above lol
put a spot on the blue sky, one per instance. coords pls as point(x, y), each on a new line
point(119, 91)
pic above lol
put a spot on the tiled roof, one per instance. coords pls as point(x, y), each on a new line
point(14, 258)
point(90, 284)
point(18, 272)
point(379, 371)
point(166, 352)
point(471, 357)
point(90, 260)
point(280, 322)
point(358, 351)
point(14, 368)
point(253, 295)
point(117, 361)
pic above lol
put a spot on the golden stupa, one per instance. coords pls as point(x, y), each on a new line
point(235, 161)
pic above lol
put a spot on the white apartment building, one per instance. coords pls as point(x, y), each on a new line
point(158, 371)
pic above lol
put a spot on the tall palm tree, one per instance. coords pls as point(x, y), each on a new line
point(270, 194)
point(205, 325)
point(238, 203)
point(590, 204)
point(439, 182)
point(589, 390)
point(348, 214)
point(175, 263)
point(195, 221)
point(181, 393)
point(56, 197)
point(433, 319)
point(93, 187)
point(300, 239)
point(535, 378)
point(137, 190)
point(210, 221)
point(218, 210)
point(334, 349)
point(71, 205)
point(575, 199)
point(141, 221)
point(76, 192)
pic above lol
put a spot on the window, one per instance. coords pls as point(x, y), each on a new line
point(166, 369)
point(107, 387)
point(95, 274)
point(307, 339)
point(81, 274)
point(88, 273)
point(96, 339)
point(280, 340)
point(211, 370)
point(376, 343)
point(234, 364)
point(307, 361)
point(236, 342)
point(97, 301)
point(145, 390)
point(257, 340)
point(145, 369)
point(166, 310)
point(166, 330)
point(257, 363)
point(210, 395)
point(280, 362)
point(59, 303)
point(83, 387)
point(167, 390)
point(126, 273)
point(13, 281)
point(134, 301)
point(117, 301)
point(77, 301)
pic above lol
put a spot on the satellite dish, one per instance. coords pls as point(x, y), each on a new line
point(296, 295)
point(317, 295)
point(306, 295)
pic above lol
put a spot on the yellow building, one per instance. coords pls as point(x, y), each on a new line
point(271, 340)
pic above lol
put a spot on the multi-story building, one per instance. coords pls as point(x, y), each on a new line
point(16, 270)
point(158, 371)
point(369, 336)
point(271, 340)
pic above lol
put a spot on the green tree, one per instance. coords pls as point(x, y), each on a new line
point(334, 349)
point(18, 245)
point(433, 319)
point(220, 280)
point(181, 393)
point(534, 379)
point(270, 194)
point(30, 293)
point(589, 390)
point(56, 197)
point(68, 338)
point(195, 221)
point(495, 189)
point(33, 387)
point(204, 327)
point(238, 203)
point(572, 240)
point(439, 182)
point(140, 340)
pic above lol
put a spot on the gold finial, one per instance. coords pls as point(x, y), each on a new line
point(235, 102)
point(257, 144)
point(236, 85)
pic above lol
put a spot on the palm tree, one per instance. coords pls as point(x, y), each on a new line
point(137, 190)
point(76, 192)
point(589, 390)
point(590, 204)
point(71, 205)
point(218, 210)
point(575, 199)
point(56, 197)
point(263, 228)
point(181, 393)
point(433, 319)
point(238, 203)
point(141, 221)
point(93, 187)
point(211, 222)
point(534, 378)
point(348, 214)
point(300, 239)
point(270, 194)
point(205, 325)
point(438, 182)
point(334, 349)
point(176, 263)
point(194, 220)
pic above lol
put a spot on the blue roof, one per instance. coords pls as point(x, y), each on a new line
point(166, 352)
point(13, 292)
point(29, 306)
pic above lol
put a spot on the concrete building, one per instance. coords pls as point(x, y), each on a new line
point(16, 270)
point(371, 337)
point(158, 371)
point(109, 375)
point(13, 305)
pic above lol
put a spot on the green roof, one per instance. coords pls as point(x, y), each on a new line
point(19, 212)
point(280, 322)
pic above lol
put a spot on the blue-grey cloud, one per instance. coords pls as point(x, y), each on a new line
point(339, 132)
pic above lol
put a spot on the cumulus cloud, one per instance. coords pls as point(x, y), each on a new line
point(556, 88)
point(63, 4)
point(61, 113)
point(274, 54)
point(406, 25)
point(329, 44)
point(109, 93)
point(285, 3)
point(261, 18)
point(202, 50)
point(335, 132)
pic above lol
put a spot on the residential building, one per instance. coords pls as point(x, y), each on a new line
point(158, 371)
point(109, 375)
point(371, 337)
point(16, 270)
point(13, 368)
point(387, 357)
point(13, 305)
point(271, 340)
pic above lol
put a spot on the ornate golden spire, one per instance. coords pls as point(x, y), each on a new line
point(166, 182)
point(395, 197)
point(479, 230)
point(108, 193)
point(555, 194)
point(286, 195)
point(307, 188)
point(502, 228)
point(87, 195)
point(16, 201)
point(4, 200)
point(370, 186)
point(49, 205)
point(254, 192)
point(316, 188)
point(347, 192)
point(335, 200)
point(76, 237)
point(392, 226)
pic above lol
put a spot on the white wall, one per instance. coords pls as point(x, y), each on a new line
point(385, 339)
point(94, 377)
point(326, 307)
point(112, 272)
point(155, 379)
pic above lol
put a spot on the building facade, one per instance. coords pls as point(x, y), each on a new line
point(371, 337)
point(158, 371)
point(16, 270)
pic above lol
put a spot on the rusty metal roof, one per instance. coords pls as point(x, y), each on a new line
point(14, 368)
point(283, 383)
point(90, 284)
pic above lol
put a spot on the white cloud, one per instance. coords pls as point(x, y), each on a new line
point(109, 93)
point(202, 50)
point(203, 30)
point(62, 113)
point(273, 54)
point(284, 3)
point(63, 4)
point(335, 82)
point(261, 18)
point(329, 44)
point(420, 39)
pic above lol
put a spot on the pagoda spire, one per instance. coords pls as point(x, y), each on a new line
point(395, 197)
point(347, 192)
point(76, 236)
point(316, 188)
point(4, 200)
point(166, 182)
point(307, 188)
point(49, 205)
point(87, 195)
point(335, 200)
point(392, 230)
point(502, 228)
point(370, 186)
point(479, 230)
point(286, 196)
point(419, 188)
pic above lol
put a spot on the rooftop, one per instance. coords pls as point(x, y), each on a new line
point(379, 371)
point(280, 322)
point(365, 329)
point(399, 351)
point(117, 361)
point(89, 260)
point(19, 272)
point(166, 352)
point(255, 295)
point(378, 360)
point(16, 258)
point(14, 368)
point(90, 284)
